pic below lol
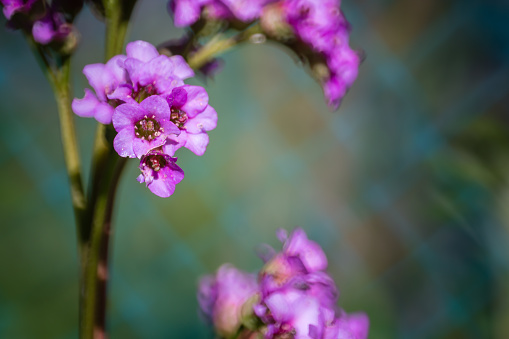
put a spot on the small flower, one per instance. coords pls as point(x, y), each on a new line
point(160, 173)
point(222, 296)
point(154, 73)
point(12, 7)
point(323, 33)
point(142, 127)
point(294, 297)
point(104, 79)
point(52, 27)
point(193, 116)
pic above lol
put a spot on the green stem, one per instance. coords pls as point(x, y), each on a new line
point(106, 171)
point(59, 79)
point(70, 145)
point(219, 45)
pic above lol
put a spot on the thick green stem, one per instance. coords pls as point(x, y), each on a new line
point(106, 171)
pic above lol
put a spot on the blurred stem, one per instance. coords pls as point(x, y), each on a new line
point(68, 133)
point(106, 171)
point(58, 77)
point(218, 45)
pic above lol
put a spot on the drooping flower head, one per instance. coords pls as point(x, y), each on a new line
point(193, 115)
point(323, 34)
point(160, 172)
point(142, 127)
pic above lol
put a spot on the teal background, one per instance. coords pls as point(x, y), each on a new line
point(405, 187)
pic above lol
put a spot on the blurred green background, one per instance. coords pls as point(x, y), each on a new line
point(405, 187)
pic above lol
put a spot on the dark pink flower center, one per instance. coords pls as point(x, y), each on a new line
point(148, 128)
point(155, 161)
point(178, 117)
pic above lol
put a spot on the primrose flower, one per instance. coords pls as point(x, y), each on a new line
point(221, 297)
point(160, 173)
point(142, 127)
point(193, 116)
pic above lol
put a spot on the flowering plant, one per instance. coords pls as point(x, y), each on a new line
point(293, 297)
point(146, 111)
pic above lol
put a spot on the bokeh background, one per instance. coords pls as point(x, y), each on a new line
point(405, 187)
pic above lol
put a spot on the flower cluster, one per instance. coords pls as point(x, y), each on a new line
point(153, 112)
point(316, 30)
point(321, 25)
point(293, 297)
point(47, 23)
point(187, 12)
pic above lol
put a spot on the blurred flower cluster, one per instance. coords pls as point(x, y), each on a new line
point(292, 297)
point(48, 23)
point(153, 112)
point(315, 30)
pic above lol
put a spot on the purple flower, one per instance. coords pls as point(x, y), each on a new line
point(104, 79)
point(160, 172)
point(221, 297)
point(187, 12)
point(295, 297)
point(316, 22)
point(154, 73)
point(142, 127)
point(129, 79)
point(193, 116)
point(323, 31)
point(343, 64)
point(300, 256)
point(52, 27)
point(12, 7)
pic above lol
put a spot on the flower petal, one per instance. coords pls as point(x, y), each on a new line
point(141, 50)
point(197, 100)
point(156, 105)
point(141, 147)
point(123, 143)
point(85, 107)
point(126, 115)
point(197, 143)
point(181, 68)
point(205, 121)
